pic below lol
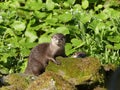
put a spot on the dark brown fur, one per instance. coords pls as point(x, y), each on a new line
point(42, 54)
point(79, 55)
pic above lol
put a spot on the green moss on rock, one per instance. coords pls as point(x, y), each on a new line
point(77, 70)
point(15, 82)
point(72, 72)
point(50, 81)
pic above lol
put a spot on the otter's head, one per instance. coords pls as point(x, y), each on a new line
point(58, 39)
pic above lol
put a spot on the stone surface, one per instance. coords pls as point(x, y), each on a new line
point(16, 81)
point(50, 81)
point(78, 70)
point(72, 74)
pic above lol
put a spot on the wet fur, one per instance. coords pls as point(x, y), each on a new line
point(41, 55)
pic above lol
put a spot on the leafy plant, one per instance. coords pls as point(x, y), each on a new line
point(89, 25)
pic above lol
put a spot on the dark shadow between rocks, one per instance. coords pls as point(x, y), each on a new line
point(87, 86)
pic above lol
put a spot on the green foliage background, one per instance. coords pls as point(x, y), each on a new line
point(92, 26)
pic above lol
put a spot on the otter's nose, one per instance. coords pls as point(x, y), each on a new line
point(57, 40)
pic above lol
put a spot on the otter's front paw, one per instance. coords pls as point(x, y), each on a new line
point(58, 62)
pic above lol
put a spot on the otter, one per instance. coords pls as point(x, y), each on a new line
point(45, 52)
point(79, 55)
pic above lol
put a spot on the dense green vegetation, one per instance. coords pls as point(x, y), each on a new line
point(92, 26)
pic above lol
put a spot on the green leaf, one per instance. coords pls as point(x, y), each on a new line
point(24, 51)
point(14, 4)
point(18, 25)
point(50, 5)
point(115, 39)
point(13, 42)
point(114, 13)
point(25, 44)
point(109, 46)
point(25, 13)
point(32, 36)
point(34, 4)
point(70, 52)
point(101, 26)
point(40, 14)
point(93, 25)
point(62, 29)
point(10, 32)
point(117, 46)
point(102, 16)
point(85, 4)
point(76, 42)
point(77, 7)
point(31, 22)
point(65, 17)
point(68, 3)
point(85, 18)
point(44, 38)
point(4, 70)
point(51, 21)
point(96, 25)
point(68, 49)
point(71, 2)
point(4, 5)
point(4, 57)
point(25, 47)
point(98, 7)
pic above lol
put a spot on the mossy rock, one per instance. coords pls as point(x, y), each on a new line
point(16, 81)
point(50, 81)
point(77, 70)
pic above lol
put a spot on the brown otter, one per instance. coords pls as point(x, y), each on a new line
point(79, 55)
point(45, 52)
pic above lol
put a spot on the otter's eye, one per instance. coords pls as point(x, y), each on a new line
point(55, 38)
point(61, 38)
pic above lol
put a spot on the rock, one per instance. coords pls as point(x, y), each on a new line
point(16, 81)
point(78, 70)
point(46, 81)
point(50, 81)
point(108, 70)
point(72, 74)
point(114, 83)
